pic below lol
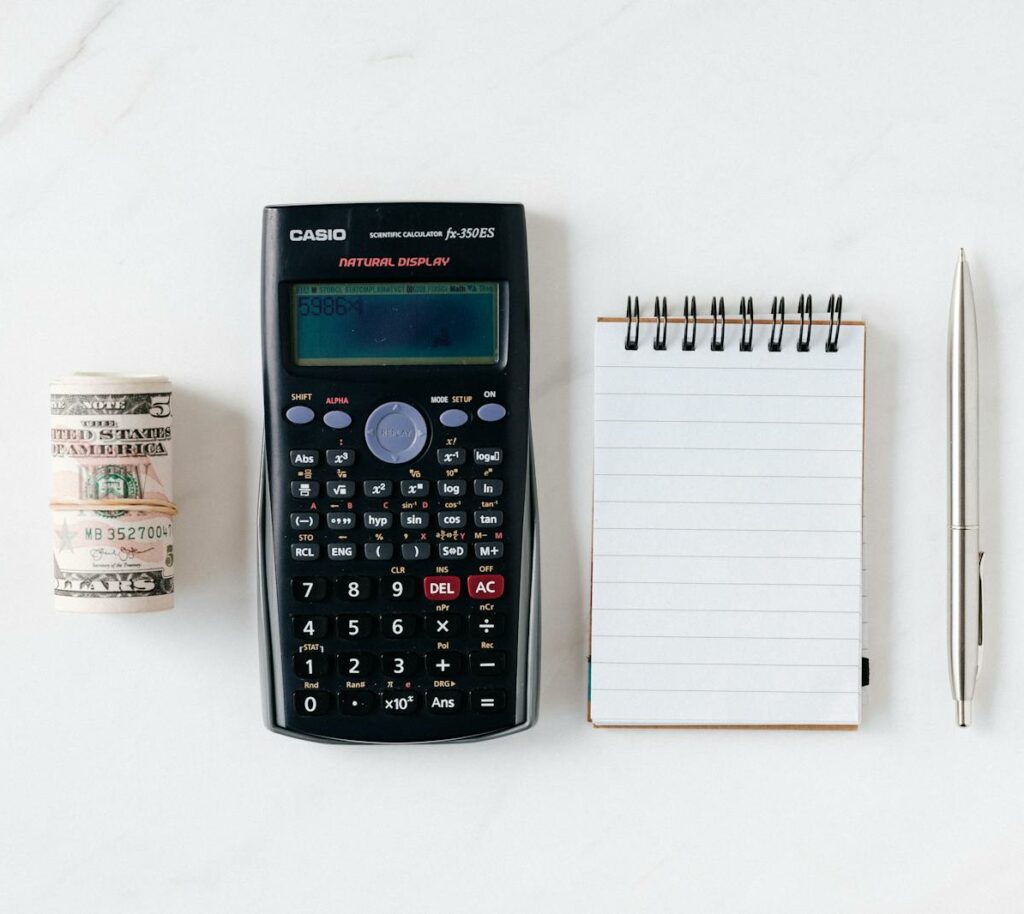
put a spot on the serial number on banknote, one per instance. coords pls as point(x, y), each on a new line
point(138, 532)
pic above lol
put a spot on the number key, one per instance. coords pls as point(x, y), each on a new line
point(310, 702)
point(311, 664)
point(311, 628)
point(398, 664)
point(309, 590)
point(355, 665)
point(355, 626)
point(355, 588)
point(400, 587)
point(399, 625)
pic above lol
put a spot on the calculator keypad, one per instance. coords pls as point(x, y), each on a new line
point(405, 610)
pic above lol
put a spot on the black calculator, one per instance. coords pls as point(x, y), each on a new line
point(399, 576)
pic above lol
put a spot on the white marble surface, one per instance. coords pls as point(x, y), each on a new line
point(707, 148)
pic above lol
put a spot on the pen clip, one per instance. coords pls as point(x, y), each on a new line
point(981, 603)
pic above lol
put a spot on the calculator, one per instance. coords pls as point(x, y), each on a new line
point(398, 549)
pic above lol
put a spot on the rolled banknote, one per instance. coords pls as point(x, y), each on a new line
point(112, 507)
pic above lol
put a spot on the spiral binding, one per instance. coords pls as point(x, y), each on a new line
point(804, 310)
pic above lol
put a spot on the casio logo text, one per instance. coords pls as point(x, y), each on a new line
point(328, 234)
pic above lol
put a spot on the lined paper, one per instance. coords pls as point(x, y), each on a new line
point(727, 549)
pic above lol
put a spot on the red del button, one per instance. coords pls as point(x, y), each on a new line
point(442, 587)
point(486, 586)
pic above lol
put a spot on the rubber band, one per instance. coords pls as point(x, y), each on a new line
point(148, 505)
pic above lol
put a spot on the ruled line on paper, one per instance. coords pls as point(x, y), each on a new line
point(730, 368)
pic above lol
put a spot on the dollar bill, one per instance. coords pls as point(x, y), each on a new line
point(110, 440)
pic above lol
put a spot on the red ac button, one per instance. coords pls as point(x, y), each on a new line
point(442, 587)
point(486, 586)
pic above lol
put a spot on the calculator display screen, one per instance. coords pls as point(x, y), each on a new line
point(426, 323)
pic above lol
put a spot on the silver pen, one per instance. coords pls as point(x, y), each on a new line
point(965, 556)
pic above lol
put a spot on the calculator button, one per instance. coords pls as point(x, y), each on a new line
point(445, 701)
point(415, 488)
point(299, 415)
point(404, 702)
point(337, 418)
point(379, 552)
point(398, 625)
point(309, 702)
point(377, 488)
point(444, 625)
point(399, 587)
point(454, 418)
point(443, 663)
point(396, 432)
point(451, 520)
point(487, 663)
point(309, 590)
point(488, 519)
point(341, 520)
point(485, 586)
point(354, 626)
point(415, 551)
point(305, 552)
point(451, 456)
point(451, 488)
point(356, 701)
point(441, 587)
point(305, 489)
point(487, 551)
point(304, 521)
point(311, 628)
point(485, 456)
point(491, 412)
point(354, 588)
point(487, 625)
point(344, 457)
point(311, 664)
point(393, 664)
point(414, 520)
point(304, 458)
point(341, 552)
point(487, 699)
point(377, 520)
point(355, 665)
point(452, 550)
point(487, 488)
point(341, 488)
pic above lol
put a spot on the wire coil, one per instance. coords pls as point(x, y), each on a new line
point(717, 318)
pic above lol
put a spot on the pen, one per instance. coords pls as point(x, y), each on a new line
point(965, 557)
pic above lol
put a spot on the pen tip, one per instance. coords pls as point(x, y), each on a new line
point(963, 713)
point(963, 256)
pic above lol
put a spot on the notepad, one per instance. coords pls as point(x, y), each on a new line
point(727, 528)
